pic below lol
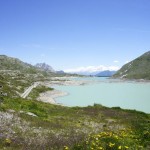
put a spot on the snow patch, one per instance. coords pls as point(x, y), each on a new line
point(124, 76)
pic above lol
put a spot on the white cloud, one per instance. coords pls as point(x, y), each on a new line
point(91, 69)
point(116, 61)
point(126, 62)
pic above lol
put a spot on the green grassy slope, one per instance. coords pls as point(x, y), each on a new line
point(136, 69)
point(78, 128)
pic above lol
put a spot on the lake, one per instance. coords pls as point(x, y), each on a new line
point(108, 92)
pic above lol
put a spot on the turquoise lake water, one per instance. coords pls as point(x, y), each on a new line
point(111, 93)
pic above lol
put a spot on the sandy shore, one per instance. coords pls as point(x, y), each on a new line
point(63, 81)
point(49, 96)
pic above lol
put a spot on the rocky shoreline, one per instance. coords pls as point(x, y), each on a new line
point(50, 96)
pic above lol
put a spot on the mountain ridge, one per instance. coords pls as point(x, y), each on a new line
point(106, 73)
point(15, 64)
point(138, 68)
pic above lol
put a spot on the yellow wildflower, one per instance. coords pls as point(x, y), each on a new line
point(120, 147)
point(8, 141)
point(99, 135)
point(116, 137)
point(66, 148)
point(126, 147)
point(111, 144)
point(93, 143)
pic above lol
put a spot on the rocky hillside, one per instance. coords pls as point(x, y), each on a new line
point(136, 69)
point(45, 67)
point(9, 63)
point(16, 75)
point(14, 64)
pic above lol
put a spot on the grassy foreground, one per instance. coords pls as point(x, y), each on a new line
point(30, 124)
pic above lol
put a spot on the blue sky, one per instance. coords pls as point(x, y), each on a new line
point(70, 34)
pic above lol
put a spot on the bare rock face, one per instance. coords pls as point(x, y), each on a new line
point(45, 67)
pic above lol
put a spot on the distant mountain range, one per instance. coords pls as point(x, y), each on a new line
point(106, 73)
point(60, 72)
point(136, 69)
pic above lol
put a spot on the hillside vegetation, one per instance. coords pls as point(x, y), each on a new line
point(16, 75)
point(8, 64)
point(136, 69)
point(28, 124)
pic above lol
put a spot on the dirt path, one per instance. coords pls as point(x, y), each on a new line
point(27, 91)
